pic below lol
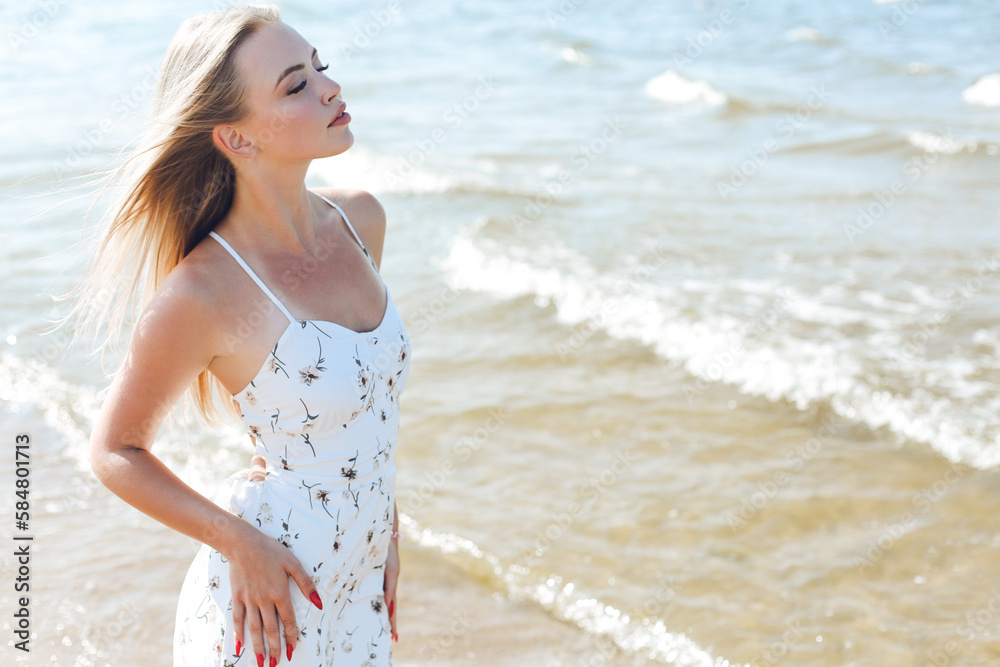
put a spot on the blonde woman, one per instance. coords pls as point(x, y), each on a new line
point(265, 297)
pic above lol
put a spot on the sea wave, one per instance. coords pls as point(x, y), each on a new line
point(984, 92)
point(774, 353)
point(406, 173)
point(43, 398)
point(674, 89)
point(35, 396)
point(565, 602)
point(803, 34)
point(931, 142)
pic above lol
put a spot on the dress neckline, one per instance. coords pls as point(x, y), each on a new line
point(352, 334)
point(291, 318)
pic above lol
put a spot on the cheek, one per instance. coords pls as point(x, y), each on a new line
point(282, 121)
point(283, 124)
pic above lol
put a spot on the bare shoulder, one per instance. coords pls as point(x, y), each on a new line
point(366, 215)
point(189, 300)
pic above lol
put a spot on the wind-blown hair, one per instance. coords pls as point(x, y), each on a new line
point(175, 187)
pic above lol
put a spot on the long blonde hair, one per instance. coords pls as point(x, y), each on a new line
point(175, 187)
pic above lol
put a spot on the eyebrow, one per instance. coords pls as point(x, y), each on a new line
point(293, 68)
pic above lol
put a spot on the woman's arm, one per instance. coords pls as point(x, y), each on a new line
point(176, 337)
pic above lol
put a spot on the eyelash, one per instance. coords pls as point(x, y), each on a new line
point(298, 89)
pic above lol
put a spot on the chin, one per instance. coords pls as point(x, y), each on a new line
point(346, 141)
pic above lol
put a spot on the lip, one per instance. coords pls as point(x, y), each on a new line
point(342, 109)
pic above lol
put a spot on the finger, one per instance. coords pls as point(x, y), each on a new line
point(305, 583)
point(389, 590)
point(256, 634)
point(392, 619)
point(287, 614)
point(239, 616)
point(273, 633)
point(389, 585)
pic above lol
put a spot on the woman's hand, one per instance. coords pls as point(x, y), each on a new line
point(258, 573)
point(389, 587)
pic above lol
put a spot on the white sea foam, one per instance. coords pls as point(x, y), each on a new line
point(987, 337)
point(36, 394)
point(406, 173)
point(931, 142)
point(763, 355)
point(574, 56)
point(984, 92)
point(672, 88)
point(33, 387)
point(803, 34)
point(648, 636)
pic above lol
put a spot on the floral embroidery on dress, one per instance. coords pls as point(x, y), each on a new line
point(308, 374)
point(276, 364)
point(264, 515)
point(312, 371)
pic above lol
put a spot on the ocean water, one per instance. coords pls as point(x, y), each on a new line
point(704, 304)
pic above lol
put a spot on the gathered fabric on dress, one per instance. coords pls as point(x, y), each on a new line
point(323, 412)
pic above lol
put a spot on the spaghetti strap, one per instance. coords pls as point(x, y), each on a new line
point(349, 225)
point(253, 275)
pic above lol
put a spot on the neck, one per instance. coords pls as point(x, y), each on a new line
point(273, 204)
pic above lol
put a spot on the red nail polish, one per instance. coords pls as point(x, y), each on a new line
point(314, 597)
point(288, 650)
point(390, 606)
point(260, 660)
point(238, 644)
point(274, 661)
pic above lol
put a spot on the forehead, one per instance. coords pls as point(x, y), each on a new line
point(265, 54)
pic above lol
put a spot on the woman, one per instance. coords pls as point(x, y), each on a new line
point(267, 295)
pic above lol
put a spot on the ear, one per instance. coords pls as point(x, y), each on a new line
point(233, 142)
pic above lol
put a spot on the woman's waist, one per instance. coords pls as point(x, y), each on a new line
point(340, 473)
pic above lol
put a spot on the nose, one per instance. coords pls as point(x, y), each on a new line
point(332, 90)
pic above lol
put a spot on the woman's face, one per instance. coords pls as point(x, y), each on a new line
point(292, 102)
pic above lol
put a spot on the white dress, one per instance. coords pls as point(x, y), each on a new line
point(323, 412)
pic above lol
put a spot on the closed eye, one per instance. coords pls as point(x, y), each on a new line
point(299, 88)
